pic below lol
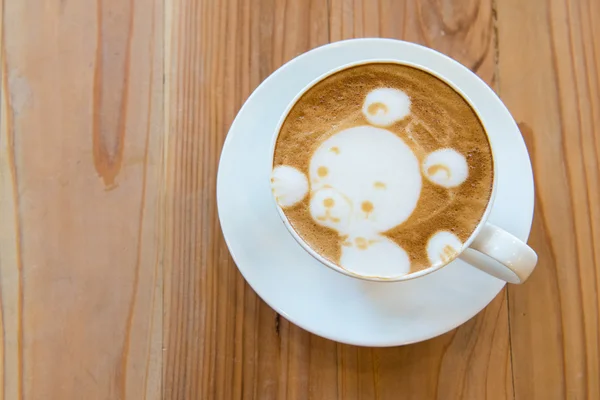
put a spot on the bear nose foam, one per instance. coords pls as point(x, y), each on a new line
point(330, 208)
point(366, 206)
point(328, 202)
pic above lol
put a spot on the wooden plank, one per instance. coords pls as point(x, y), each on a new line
point(221, 341)
point(461, 29)
point(80, 181)
point(549, 58)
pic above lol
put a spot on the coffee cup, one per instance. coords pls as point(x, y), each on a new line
point(383, 170)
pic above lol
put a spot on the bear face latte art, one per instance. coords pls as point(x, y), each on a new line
point(383, 169)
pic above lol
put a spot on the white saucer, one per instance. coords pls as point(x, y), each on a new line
point(317, 298)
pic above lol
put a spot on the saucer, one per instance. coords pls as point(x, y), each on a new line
point(313, 296)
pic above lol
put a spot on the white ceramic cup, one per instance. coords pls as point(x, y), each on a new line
point(508, 258)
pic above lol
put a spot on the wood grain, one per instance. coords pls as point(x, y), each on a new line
point(220, 339)
point(115, 281)
point(80, 174)
point(549, 58)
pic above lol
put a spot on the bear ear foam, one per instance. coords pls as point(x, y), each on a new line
point(446, 167)
point(289, 185)
point(443, 247)
point(385, 106)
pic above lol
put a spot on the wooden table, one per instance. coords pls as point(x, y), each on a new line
point(115, 281)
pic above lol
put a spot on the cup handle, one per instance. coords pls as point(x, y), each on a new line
point(517, 258)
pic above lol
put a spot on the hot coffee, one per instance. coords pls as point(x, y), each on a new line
point(383, 169)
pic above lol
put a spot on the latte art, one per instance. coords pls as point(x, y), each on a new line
point(385, 106)
point(446, 167)
point(392, 178)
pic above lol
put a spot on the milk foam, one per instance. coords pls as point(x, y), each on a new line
point(289, 185)
point(443, 247)
point(330, 208)
point(384, 106)
point(382, 258)
point(369, 178)
point(374, 172)
point(366, 180)
point(446, 167)
point(363, 182)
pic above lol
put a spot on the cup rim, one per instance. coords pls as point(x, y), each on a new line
point(439, 75)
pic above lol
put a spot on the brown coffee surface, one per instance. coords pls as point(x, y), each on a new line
point(439, 118)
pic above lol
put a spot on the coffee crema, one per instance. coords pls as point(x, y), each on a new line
point(383, 169)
